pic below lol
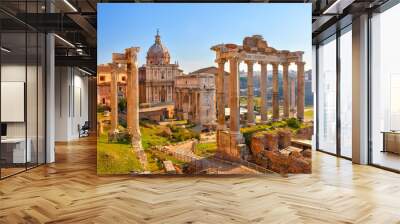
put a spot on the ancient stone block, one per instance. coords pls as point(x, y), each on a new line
point(257, 143)
point(278, 162)
point(284, 138)
point(298, 164)
point(271, 141)
point(306, 153)
point(305, 133)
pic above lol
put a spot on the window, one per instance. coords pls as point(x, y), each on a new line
point(346, 93)
point(123, 78)
point(102, 78)
point(327, 96)
point(385, 89)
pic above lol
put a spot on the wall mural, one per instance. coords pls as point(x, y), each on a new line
point(220, 100)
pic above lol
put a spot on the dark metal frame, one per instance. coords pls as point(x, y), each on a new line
point(339, 32)
point(37, 164)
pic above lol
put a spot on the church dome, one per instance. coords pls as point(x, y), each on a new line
point(157, 54)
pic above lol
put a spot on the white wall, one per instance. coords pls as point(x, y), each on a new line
point(71, 103)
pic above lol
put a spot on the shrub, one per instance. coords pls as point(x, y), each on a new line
point(181, 134)
point(101, 108)
point(293, 123)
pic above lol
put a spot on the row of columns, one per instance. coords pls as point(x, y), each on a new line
point(234, 93)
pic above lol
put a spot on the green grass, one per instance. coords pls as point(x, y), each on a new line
point(115, 158)
point(156, 135)
point(151, 136)
point(206, 149)
point(153, 162)
point(309, 113)
point(119, 158)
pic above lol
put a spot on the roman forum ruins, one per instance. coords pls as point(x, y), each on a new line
point(126, 61)
point(254, 50)
point(230, 141)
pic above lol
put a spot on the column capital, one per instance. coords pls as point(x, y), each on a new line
point(300, 63)
point(234, 60)
point(285, 64)
point(263, 63)
point(220, 61)
point(275, 64)
point(249, 62)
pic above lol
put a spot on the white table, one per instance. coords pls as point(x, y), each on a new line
point(19, 154)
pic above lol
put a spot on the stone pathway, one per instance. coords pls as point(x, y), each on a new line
point(210, 164)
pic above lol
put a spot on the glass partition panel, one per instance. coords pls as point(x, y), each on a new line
point(14, 154)
point(385, 89)
point(327, 96)
point(346, 94)
point(31, 98)
point(41, 98)
point(22, 108)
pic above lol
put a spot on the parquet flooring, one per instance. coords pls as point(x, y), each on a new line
point(69, 191)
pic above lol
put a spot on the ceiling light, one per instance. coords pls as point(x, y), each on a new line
point(86, 72)
point(65, 41)
point(70, 5)
point(5, 50)
point(338, 6)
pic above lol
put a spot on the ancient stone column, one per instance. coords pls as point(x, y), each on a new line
point(292, 96)
point(285, 89)
point(234, 96)
point(132, 88)
point(250, 93)
point(220, 95)
point(300, 90)
point(114, 97)
point(263, 89)
point(275, 92)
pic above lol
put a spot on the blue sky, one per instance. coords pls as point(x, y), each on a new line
point(189, 30)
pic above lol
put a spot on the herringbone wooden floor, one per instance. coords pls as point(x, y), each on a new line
point(69, 191)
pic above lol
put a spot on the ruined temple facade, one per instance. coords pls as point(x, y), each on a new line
point(254, 50)
point(195, 98)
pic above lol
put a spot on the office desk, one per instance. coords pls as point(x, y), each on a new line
point(13, 150)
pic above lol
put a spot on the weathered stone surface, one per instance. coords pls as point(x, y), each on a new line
point(278, 161)
point(298, 164)
point(258, 143)
point(264, 148)
point(284, 138)
point(271, 141)
point(306, 153)
point(305, 133)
